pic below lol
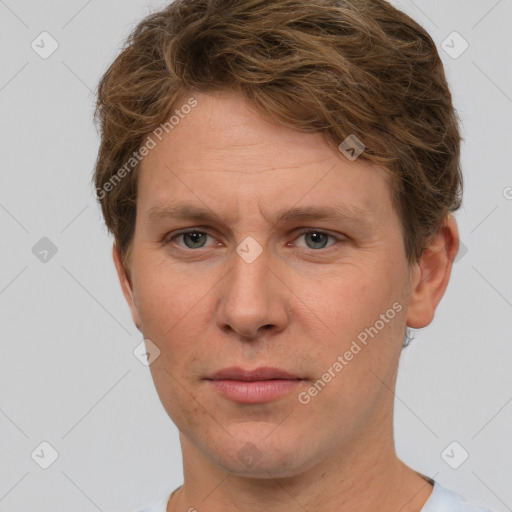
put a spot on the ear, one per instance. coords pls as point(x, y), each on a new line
point(126, 284)
point(432, 273)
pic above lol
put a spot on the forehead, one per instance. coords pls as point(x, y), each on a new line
point(224, 153)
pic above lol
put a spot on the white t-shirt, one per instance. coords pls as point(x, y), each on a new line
point(441, 500)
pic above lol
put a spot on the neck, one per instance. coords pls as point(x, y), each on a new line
point(355, 476)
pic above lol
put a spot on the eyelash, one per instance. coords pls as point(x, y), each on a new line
point(169, 240)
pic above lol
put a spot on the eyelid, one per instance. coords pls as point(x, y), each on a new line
point(337, 238)
point(169, 239)
point(171, 236)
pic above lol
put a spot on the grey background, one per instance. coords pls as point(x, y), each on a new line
point(68, 375)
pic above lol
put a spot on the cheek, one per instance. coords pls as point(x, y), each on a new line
point(360, 318)
point(174, 314)
point(346, 301)
point(168, 302)
point(177, 397)
point(171, 317)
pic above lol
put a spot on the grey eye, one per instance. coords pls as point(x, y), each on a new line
point(197, 239)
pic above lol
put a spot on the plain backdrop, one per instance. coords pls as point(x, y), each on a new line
point(68, 375)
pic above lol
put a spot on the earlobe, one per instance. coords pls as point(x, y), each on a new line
point(432, 275)
point(126, 284)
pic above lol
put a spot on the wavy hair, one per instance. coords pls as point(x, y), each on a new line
point(335, 67)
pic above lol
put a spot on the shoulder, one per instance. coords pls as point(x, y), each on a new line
point(158, 506)
point(443, 499)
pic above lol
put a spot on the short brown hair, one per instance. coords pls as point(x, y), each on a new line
point(335, 67)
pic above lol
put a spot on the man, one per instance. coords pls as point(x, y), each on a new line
point(279, 178)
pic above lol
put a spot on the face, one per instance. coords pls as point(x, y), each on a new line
point(249, 286)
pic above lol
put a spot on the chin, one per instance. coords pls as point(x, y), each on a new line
point(266, 467)
point(257, 456)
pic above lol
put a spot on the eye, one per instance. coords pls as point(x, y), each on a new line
point(318, 238)
point(196, 238)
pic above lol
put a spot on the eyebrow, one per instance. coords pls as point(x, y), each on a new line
point(183, 211)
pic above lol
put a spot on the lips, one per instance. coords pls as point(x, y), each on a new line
point(259, 374)
point(257, 386)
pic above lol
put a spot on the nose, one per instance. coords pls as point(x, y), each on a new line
point(253, 298)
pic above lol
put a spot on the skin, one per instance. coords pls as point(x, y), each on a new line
point(298, 306)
